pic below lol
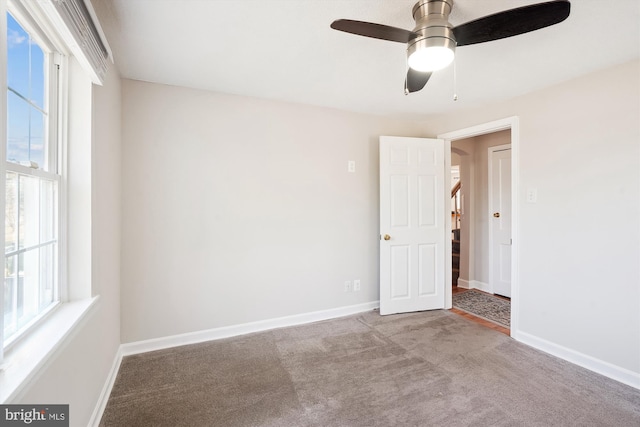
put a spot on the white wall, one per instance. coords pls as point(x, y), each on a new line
point(579, 273)
point(237, 209)
point(79, 370)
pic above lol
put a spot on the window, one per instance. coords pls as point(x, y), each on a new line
point(51, 55)
point(31, 179)
point(51, 52)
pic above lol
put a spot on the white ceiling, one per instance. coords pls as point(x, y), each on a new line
point(285, 50)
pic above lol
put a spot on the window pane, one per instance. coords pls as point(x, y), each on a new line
point(47, 275)
point(26, 132)
point(47, 210)
point(26, 75)
point(18, 128)
point(10, 295)
point(28, 286)
point(29, 216)
point(11, 213)
point(37, 134)
point(27, 112)
point(31, 231)
point(37, 92)
point(18, 52)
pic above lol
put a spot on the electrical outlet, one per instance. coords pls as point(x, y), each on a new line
point(347, 286)
point(356, 285)
point(351, 166)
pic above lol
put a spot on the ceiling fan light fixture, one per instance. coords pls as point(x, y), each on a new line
point(431, 54)
point(432, 43)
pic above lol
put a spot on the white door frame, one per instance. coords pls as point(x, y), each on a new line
point(512, 123)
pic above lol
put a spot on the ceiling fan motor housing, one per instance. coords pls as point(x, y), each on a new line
point(432, 25)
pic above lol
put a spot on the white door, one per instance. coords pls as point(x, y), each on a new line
point(412, 224)
point(500, 219)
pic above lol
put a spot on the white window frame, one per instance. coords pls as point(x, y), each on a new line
point(83, 63)
point(56, 88)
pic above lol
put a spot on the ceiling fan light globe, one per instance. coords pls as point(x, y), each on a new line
point(431, 58)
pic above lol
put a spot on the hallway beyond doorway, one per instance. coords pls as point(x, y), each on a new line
point(456, 290)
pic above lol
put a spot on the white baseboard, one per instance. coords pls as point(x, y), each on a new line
point(106, 390)
point(246, 328)
point(213, 334)
point(476, 284)
point(601, 367)
point(604, 368)
point(463, 284)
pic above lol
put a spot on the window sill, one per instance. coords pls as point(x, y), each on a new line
point(24, 361)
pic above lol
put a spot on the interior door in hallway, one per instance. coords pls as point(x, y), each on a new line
point(412, 224)
point(500, 220)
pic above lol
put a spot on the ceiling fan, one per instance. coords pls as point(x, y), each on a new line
point(432, 43)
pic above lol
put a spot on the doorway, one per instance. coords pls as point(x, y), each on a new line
point(508, 130)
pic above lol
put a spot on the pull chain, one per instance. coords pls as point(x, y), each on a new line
point(455, 81)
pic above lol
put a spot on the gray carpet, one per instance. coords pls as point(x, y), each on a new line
point(423, 369)
point(486, 306)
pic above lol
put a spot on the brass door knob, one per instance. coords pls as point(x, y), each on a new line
point(496, 215)
point(387, 237)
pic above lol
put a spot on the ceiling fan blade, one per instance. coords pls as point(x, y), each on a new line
point(377, 31)
point(512, 22)
point(415, 81)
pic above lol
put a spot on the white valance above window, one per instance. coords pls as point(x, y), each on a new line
point(76, 24)
point(84, 28)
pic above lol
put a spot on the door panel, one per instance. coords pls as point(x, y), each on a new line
point(427, 193)
point(428, 270)
point(400, 274)
point(412, 261)
point(399, 193)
